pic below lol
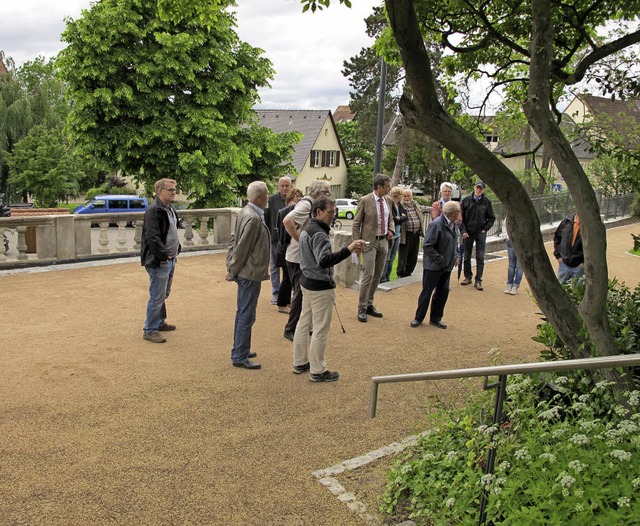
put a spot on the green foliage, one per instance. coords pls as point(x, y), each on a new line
point(169, 94)
point(562, 459)
point(359, 153)
point(42, 165)
point(623, 312)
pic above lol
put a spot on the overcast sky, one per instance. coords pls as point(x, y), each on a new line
point(307, 50)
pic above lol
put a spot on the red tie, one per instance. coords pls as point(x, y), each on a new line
point(382, 227)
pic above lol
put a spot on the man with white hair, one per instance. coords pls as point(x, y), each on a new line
point(248, 266)
point(446, 191)
point(441, 252)
point(276, 203)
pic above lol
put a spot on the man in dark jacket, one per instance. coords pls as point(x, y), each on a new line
point(477, 219)
point(276, 203)
point(567, 249)
point(440, 255)
point(160, 247)
point(318, 291)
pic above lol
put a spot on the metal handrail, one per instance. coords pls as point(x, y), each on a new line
point(502, 372)
point(600, 362)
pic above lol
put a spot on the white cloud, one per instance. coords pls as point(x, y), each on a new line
point(307, 49)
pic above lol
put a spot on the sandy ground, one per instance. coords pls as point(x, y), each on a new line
point(100, 427)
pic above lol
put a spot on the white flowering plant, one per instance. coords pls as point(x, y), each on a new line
point(560, 460)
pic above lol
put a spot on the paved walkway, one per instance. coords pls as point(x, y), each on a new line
point(101, 427)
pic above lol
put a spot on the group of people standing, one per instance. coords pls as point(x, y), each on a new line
point(290, 231)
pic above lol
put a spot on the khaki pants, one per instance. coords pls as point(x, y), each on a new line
point(317, 310)
point(373, 262)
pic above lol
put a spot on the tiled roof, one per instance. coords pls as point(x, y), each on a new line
point(308, 122)
point(343, 113)
point(630, 108)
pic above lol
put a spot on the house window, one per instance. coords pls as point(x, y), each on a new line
point(316, 158)
point(331, 159)
point(491, 138)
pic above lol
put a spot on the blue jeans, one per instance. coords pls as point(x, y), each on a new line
point(248, 293)
point(565, 273)
point(391, 256)
point(514, 274)
point(159, 288)
point(274, 274)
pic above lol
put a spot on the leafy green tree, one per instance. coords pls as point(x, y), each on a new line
point(42, 165)
point(538, 49)
point(165, 89)
point(29, 95)
point(359, 153)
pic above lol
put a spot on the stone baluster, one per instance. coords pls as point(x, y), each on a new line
point(204, 231)
point(22, 242)
point(137, 236)
point(122, 236)
point(188, 232)
point(3, 257)
point(104, 237)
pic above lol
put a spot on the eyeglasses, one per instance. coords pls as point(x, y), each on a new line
point(172, 190)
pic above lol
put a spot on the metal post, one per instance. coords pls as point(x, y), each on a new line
point(501, 385)
point(380, 124)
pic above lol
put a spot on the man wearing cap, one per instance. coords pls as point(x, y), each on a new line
point(477, 219)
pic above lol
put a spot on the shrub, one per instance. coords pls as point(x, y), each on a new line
point(573, 459)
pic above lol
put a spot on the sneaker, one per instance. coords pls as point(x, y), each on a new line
point(154, 337)
point(478, 285)
point(274, 299)
point(466, 281)
point(167, 327)
point(514, 290)
point(299, 369)
point(508, 289)
point(327, 376)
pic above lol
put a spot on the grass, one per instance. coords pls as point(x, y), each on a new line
point(70, 206)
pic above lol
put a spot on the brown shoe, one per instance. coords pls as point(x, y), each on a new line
point(284, 310)
point(154, 337)
point(167, 327)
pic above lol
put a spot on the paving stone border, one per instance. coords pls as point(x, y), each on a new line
point(326, 476)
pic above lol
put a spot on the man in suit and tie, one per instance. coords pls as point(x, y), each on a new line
point(441, 253)
point(374, 224)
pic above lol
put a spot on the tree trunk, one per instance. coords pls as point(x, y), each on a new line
point(425, 113)
point(537, 109)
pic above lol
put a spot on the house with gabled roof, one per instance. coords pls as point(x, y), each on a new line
point(319, 154)
point(343, 113)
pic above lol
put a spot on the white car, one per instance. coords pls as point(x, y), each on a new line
point(346, 208)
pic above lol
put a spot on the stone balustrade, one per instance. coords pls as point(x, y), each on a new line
point(68, 238)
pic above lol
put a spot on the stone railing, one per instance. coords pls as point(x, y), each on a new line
point(69, 238)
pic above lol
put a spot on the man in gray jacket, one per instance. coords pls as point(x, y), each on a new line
point(318, 291)
point(440, 255)
point(248, 266)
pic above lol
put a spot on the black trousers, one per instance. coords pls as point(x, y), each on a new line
point(284, 293)
point(480, 240)
point(296, 297)
point(436, 283)
point(408, 254)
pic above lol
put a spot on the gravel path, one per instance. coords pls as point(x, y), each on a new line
point(101, 427)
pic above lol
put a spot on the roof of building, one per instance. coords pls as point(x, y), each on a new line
point(343, 113)
point(612, 109)
point(308, 122)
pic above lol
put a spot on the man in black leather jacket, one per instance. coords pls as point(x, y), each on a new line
point(160, 247)
point(477, 219)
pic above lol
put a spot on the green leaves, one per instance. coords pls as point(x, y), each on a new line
point(164, 88)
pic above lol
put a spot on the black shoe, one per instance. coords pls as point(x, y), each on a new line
point(288, 335)
point(327, 376)
point(252, 355)
point(247, 364)
point(362, 315)
point(466, 281)
point(478, 285)
point(299, 369)
point(415, 323)
point(167, 327)
point(371, 310)
point(438, 324)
